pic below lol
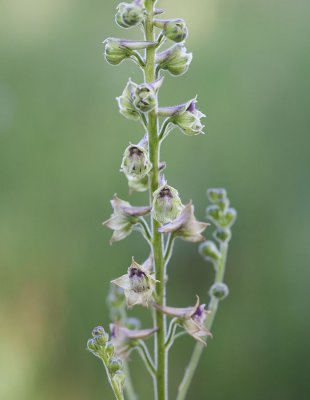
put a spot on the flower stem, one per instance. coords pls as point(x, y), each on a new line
point(199, 347)
point(160, 319)
point(146, 357)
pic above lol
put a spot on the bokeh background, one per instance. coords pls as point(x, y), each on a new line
point(61, 142)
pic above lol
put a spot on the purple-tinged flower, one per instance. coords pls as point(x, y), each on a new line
point(185, 116)
point(186, 226)
point(190, 318)
point(176, 60)
point(124, 218)
point(124, 339)
point(138, 285)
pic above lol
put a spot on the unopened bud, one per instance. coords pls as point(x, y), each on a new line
point(136, 163)
point(209, 251)
point(117, 50)
point(99, 330)
point(129, 15)
point(213, 213)
point(109, 349)
point(175, 30)
point(167, 204)
point(216, 195)
point(219, 291)
point(222, 235)
point(144, 98)
point(176, 60)
point(114, 365)
point(92, 345)
point(102, 339)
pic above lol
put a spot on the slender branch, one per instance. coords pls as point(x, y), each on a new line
point(144, 120)
point(157, 71)
point(160, 40)
point(163, 130)
point(161, 362)
point(171, 333)
point(145, 230)
point(169, 248)
point(135, 56)
point(199, 347)
point(146, 357)
point(128, 383)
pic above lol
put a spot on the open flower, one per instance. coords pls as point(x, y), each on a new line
point(186, 226)
point(176, 60)
point(190, 318)
point(124, 339)
point(166, 205)
point(124, 218)
point(136, 163)
point(138, 285)
point(145, 95)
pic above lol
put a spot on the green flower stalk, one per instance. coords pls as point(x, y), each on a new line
point(164, 220)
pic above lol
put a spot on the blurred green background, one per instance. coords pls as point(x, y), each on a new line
point(61, 142)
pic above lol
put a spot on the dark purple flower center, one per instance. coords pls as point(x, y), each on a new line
point(135, 151)
point(165, 192)
point(136, 272)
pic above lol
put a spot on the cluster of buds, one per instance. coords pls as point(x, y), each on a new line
point(103, 348)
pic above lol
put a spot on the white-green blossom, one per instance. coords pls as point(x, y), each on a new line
point(138, 285)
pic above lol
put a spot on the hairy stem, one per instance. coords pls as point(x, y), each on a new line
point(199, 347)
point(160, 319)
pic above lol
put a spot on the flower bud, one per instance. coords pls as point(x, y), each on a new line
point(215, 195)
point(117, 50)
point(219, 291)
point(167, 204)
point(222, 218)
point(174, 29)
point(99, 330)
point(129, 15)
point(109, 349)
point(125, 101)
point(209, 251)
point(114, 365)
point(175, 59)
point(136, 163)
point(92, 345)
point(222, 235)
point(102, 339)
point(145, 95)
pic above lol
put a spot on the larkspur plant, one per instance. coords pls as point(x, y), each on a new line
point(170, 219)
